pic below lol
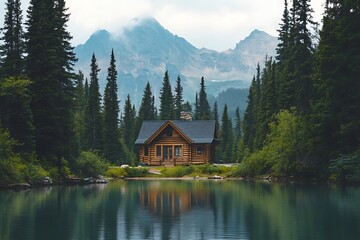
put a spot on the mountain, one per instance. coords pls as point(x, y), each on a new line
point(145, 49)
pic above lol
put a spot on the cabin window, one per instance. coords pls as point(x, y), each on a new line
point(199, 150)
point(146, 151)
point(158, 151)
point(178, 151)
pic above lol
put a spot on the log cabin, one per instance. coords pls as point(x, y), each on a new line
point(176, 142)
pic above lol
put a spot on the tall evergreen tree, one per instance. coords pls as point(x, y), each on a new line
point(226, 134)
point(128, 124)
point(249, 121)
point(79, 141)
point(215, 115)
point(266, 107)
point(15, 113)
point(178, 98)
point(166, 99)
point(237, 130)
point(112, 147)
point(146, 110)
point(196, 107)
point(204, 107)
point(93, 111)
point(49, 62)
point(336, 116)
point(12, 48)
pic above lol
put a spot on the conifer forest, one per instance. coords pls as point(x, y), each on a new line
point(302, 119)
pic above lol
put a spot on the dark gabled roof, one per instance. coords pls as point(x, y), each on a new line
point(201, 131)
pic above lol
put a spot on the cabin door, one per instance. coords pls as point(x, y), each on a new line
point(167, 153)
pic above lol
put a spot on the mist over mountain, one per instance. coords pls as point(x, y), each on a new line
point(144, 50)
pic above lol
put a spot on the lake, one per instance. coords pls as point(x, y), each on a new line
point(181, 209)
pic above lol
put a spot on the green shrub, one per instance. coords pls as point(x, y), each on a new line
point(212, 169)
point(116, 172)
point(178, 171)
point(136, 171)
point(89, 164)
point(31, 172)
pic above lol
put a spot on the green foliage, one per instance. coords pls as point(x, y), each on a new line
point(136, 171)
point(211, 169)
point(116, 172)
point(178, 171)
point(15, 167)
point(284, 152)
point(90, 164)
point(346, 167)
point(15, 112)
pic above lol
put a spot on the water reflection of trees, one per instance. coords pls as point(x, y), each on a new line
point(181, 209)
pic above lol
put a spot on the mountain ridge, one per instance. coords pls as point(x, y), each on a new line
point(145, 49)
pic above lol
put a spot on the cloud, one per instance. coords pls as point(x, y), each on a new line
point(213, 24)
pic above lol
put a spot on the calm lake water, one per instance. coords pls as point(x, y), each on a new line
point(181, 209)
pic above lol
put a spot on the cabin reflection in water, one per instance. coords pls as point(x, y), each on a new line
point(174, 202)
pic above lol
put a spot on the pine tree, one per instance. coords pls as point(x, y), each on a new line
point(204, 107)
point(79, 141)
point(266, 107)
point(303, 54)
point(49, 64)
point(146, 110)
point(196, 107)
point(12, 48)
point(226, 134)
point(166, 99)
point(215, 116)
point(93, 111)
point(237, 130)
point(336, 117)
point(249, 121)
point(178, 98)
point(112, 147)
point(15, 113)
point(128, 124)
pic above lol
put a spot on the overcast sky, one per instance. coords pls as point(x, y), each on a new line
point(214, 24)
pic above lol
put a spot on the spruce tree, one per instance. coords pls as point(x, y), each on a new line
point(249, 121)
point(237, 130)
point(112, 147)
point(336, 116)
point(15, 114)
point(166, 99)
point(204, 107)
point(128, 124)
point(49, 65)
point(178, 98)
point(79, 115)
point(196, 107)
point(93, 111)
point(226, 134)
point(215, 116)
point(146, 110)
point(12, 48)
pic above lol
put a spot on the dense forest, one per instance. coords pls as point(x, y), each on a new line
point(302, 117)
